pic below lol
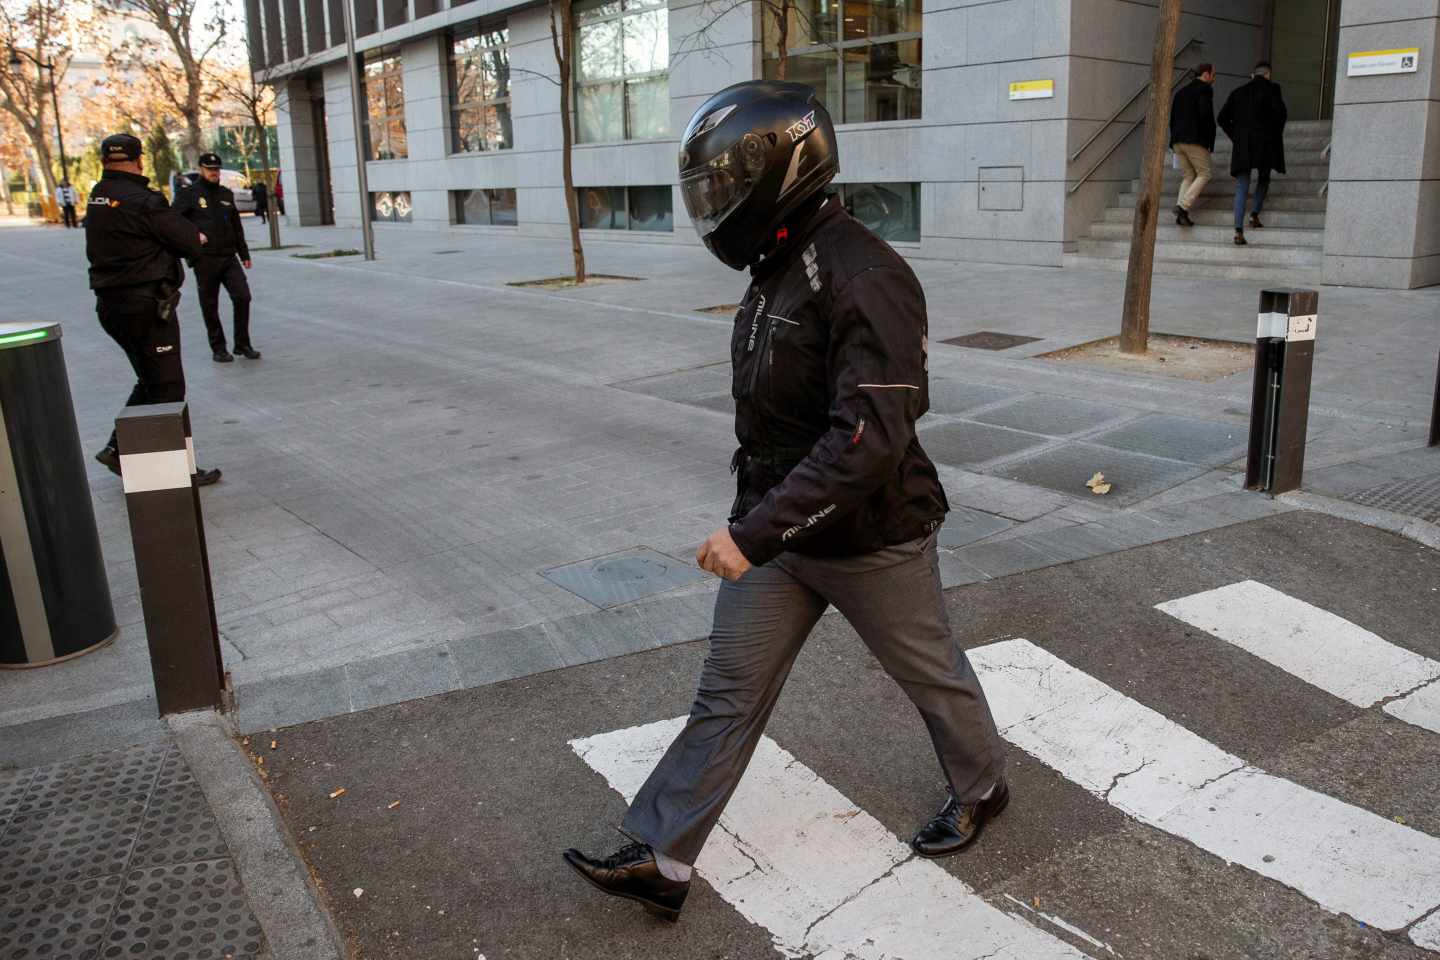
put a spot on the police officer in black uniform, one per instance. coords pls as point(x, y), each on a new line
point(211, 207)
point(134, 241)
point(837, 504)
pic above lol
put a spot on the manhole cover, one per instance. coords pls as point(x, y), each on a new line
point(1419, 497)
point(622, 577)
point(628, 569)
point(989, 340)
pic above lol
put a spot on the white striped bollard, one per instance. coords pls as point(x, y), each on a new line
point(157, 464)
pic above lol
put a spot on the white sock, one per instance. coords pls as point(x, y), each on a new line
point(671, 869)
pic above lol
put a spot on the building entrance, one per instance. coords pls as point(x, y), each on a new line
point(1304, 40)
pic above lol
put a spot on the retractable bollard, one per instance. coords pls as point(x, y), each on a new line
point(1280, 408)
point(157, 464)
point(54, 595)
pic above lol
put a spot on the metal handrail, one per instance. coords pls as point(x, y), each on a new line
point(1189, 71)
point(1325, 155)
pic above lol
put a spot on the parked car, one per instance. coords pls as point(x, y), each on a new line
point(233, 179)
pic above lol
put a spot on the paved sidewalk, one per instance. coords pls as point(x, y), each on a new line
point(434, 480)
point(118, 855)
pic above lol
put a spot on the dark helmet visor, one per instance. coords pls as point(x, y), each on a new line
point(714, 189)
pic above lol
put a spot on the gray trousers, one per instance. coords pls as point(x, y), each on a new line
point(893, 599)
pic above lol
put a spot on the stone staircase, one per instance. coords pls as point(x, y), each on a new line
point(1287, 250)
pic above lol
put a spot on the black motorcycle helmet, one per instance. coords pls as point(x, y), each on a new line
point(749, 157)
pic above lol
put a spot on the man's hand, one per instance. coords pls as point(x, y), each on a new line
point(204, 239)
point(720, 556)
point(246, 264)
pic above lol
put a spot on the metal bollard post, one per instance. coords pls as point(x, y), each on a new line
point(1280, 406)
point(157, 461)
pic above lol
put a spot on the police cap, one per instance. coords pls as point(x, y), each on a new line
point(211, 160)
point(120, 146)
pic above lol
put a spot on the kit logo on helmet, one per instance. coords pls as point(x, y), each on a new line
point(801, 127)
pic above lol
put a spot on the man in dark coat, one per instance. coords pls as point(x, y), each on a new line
point(260, 193)
point(1254, 119)
point(1192, 137)
point(211, 207)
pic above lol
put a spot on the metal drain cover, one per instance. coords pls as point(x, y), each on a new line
point(989, 340)
point(618, 578)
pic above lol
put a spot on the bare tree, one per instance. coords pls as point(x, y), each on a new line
point(562, 39)
point(183, 81)
point(257, 102)
point(779, 18)
point(1135, 312)
point(35, 29)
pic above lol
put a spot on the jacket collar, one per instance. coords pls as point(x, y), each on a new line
point(143, 181)
point(792, 236)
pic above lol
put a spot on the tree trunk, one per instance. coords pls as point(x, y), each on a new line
point(270, 217)
point(565, 39)
point(782, 38)
point(1135, 318)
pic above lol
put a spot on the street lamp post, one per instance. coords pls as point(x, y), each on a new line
point(15, 64)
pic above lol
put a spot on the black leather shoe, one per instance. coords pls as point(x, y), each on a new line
point(957, 825)
point(1240, 240)
point(1182, 217)
point(110, 457)
point(249, 353)
point(633, 874)
point(222, 356)
point(203, 478)
point(1255, 221)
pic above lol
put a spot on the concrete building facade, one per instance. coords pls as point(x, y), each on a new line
point(982, 130)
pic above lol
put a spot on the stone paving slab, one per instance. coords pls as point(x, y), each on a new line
point(117, 854)
point(1066, 469)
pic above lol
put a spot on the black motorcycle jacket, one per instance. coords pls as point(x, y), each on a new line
point(132, 236)
point(830, 376)
point(211, 208)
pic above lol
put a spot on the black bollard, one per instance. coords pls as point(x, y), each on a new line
point(157, 463)
point(1280, 407)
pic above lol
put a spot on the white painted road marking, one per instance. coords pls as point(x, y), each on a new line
point(1427, 934)
point(1320, 648)
point(825, 878)
point(1344, 858)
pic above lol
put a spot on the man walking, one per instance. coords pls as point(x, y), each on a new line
point(837, 502)
point(260, 195)
point(134, 241)
point(1192, 137)
point(65, 199)
point(1254, 119)
point(211, 207)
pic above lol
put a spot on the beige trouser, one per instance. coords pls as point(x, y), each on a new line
point(1195, 163)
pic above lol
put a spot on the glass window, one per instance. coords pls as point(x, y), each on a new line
point(890, 210)
point(626, 208)
point(480, 91)
point(622, 80)
point(650, 209)
point(390, 207)
point(493, 207)
point(875, 45)
point(385, 107)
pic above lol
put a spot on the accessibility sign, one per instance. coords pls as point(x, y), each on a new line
point(1370, 63)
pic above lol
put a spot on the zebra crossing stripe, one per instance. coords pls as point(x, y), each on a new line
point(825, 878)
point(1427, 933)
point(1319, 647)
point(1344, 858)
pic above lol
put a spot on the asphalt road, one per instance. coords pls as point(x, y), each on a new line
point(486, 790)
